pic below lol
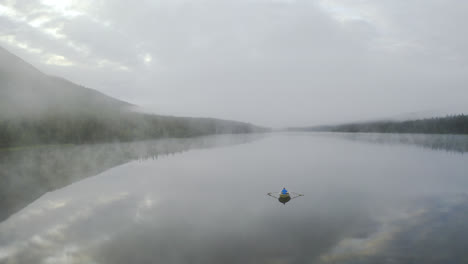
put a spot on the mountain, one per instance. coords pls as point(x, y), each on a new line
point(36, 108)
point(25, 91)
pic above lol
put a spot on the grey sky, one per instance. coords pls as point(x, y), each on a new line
point(270, 62)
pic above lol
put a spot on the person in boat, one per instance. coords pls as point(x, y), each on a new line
point(284, 196)
point(284, 191)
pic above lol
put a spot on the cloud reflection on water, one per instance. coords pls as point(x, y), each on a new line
point(363, 203)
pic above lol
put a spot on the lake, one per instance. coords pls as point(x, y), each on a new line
point(368, 198)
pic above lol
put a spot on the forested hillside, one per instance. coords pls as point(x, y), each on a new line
point(39, 109)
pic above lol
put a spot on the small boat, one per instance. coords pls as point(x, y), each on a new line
point(284, 196)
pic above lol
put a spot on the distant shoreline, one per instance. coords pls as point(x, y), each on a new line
point(456, 125)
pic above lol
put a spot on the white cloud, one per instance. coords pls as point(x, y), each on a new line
point(286, 62)
point(103, 63)
point(11, 13)
point(67, 8)
point(147, 58)
point(11, 40)
point(58, 60)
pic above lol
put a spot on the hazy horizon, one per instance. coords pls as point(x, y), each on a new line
point(274, 63)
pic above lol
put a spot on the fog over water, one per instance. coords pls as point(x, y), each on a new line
point(365, 201)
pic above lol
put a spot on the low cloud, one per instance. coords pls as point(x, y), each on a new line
point(277, 63)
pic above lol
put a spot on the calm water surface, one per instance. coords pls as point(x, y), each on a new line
point(368, 199)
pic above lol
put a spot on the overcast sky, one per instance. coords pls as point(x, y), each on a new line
point(270, 62)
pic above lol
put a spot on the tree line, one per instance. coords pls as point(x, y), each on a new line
point(70, 128)
point(454, 124)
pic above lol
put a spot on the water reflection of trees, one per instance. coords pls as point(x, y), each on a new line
point(26, 174)
point(451, 143)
